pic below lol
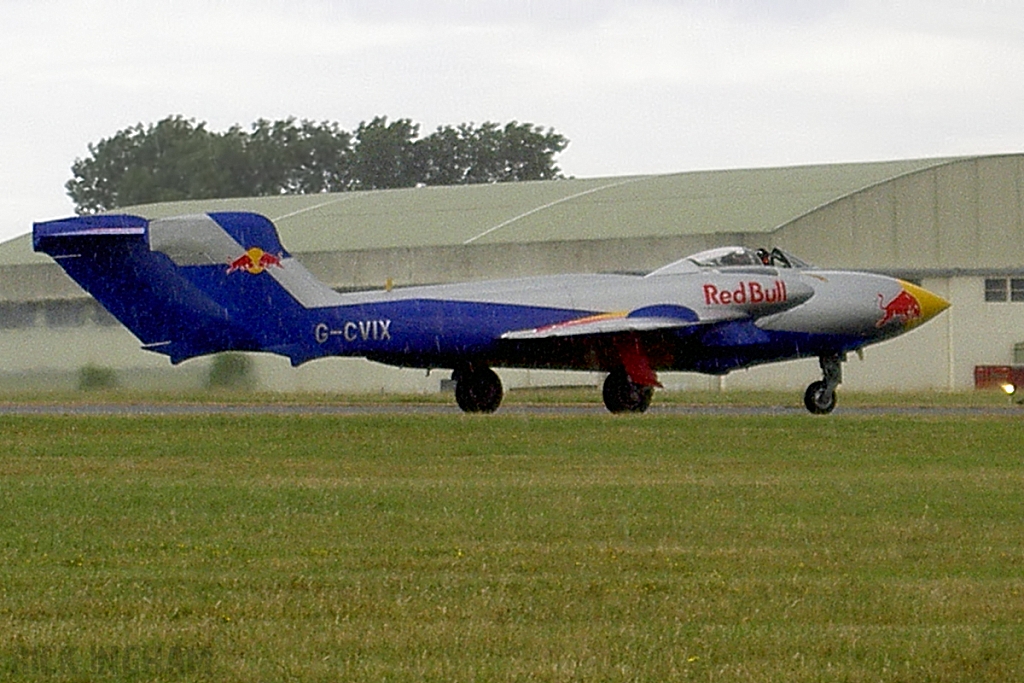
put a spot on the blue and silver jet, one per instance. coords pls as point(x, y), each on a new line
point(201, 284)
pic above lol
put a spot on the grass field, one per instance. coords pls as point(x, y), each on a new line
point(505, 547)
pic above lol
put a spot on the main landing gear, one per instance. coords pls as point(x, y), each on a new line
point(820, 397)
point(622, 395)
point(477, 389)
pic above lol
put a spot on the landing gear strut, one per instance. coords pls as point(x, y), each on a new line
point(820, 397)
point(622, 395)
point(477, 389)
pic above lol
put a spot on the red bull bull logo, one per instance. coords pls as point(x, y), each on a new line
point(254, 261)
point(903, 307)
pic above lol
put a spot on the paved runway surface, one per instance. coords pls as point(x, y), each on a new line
point(184, 409)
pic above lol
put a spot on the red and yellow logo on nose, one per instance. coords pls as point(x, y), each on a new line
point(254, 261)
point(911, 307)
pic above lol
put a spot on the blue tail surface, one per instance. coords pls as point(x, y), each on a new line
point(190, 285)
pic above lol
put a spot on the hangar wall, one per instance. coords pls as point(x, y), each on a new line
point(45, 359)
point(949, 228)
point(964, 215)
point(371, 268)
point(950, 225)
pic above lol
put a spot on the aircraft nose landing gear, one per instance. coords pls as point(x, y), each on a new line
point(820, 397)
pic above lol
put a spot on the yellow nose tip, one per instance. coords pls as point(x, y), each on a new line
point(931, 304)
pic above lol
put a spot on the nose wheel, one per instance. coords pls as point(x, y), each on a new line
point(820, 397)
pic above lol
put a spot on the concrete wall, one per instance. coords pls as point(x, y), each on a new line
point(433, 265)
point(41, 358)
point(984, 333)
point(45, 358)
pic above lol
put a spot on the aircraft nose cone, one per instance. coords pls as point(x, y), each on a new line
point(931, 304)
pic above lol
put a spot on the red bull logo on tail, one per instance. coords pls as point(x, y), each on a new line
point(903, 307)
point(254, 261)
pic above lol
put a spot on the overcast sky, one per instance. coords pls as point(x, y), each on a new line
point(638, 87)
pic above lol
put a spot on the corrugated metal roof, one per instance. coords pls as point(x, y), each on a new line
point(705, 202)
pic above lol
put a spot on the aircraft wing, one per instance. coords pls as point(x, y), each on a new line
point(614, 323)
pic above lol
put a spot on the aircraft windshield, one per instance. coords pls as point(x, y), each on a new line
point(724, 257)
point(727, 256)
point(784, 259)
point(742, 256)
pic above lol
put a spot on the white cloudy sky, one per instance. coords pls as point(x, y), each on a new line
point(649, 86)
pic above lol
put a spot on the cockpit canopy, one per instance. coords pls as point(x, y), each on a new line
point(727, 256)
point(730, 257)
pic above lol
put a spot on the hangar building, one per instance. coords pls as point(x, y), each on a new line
point(953, 225)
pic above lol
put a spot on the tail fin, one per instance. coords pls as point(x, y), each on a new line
point(191, 285)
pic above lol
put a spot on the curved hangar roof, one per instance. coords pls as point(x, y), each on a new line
point(698, 203)
point(944, 213)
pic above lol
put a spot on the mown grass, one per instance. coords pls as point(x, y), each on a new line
point(509, 547)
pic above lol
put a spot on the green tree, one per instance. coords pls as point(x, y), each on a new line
point(490, 153)
point(384, 155)
point(178, 158)
point(161, 162)
point(455, 155)
point(289, 157)
point(527, 152)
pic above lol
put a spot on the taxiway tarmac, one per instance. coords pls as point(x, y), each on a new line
point(341, 410)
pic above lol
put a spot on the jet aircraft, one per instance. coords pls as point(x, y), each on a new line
point(201, 284)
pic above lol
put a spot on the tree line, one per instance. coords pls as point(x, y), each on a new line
point(179, 158)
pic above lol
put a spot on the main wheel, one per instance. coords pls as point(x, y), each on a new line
point(622, 395)
point(817, 399)
point(478, 390)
